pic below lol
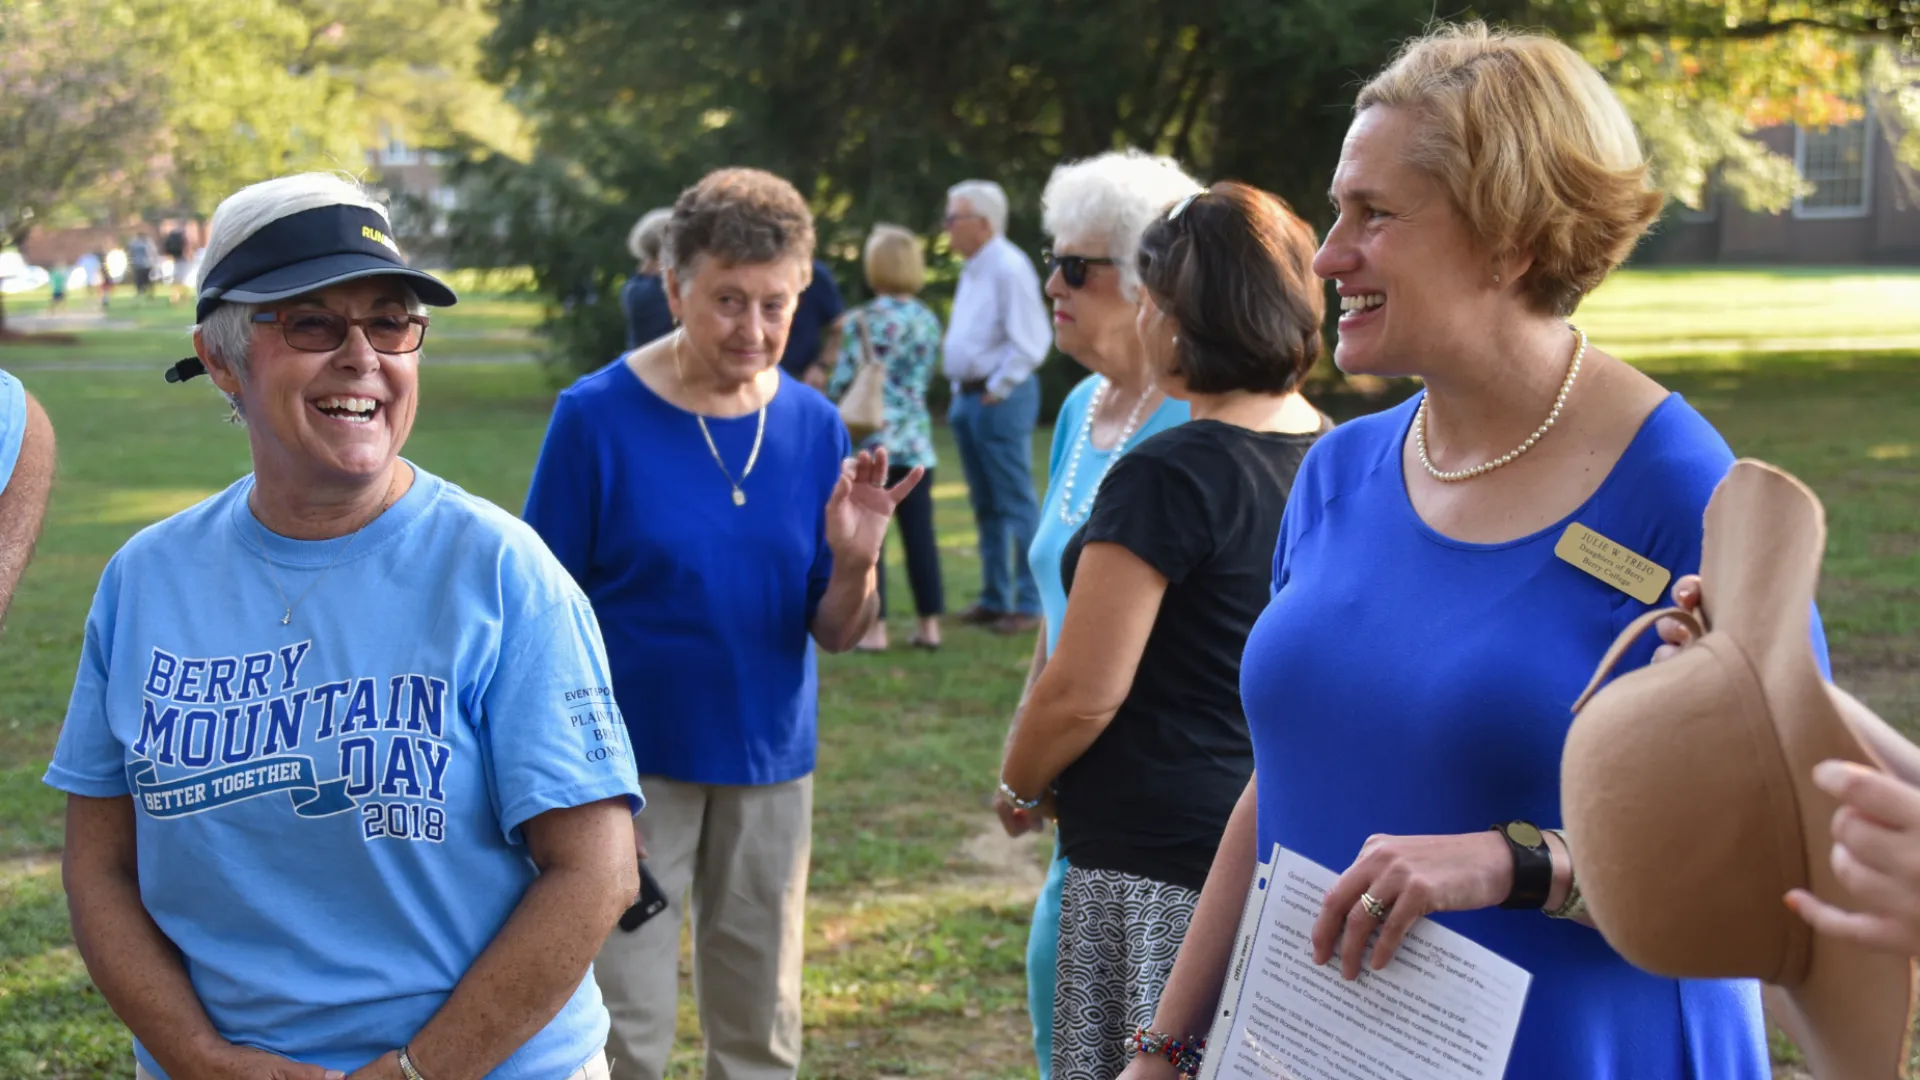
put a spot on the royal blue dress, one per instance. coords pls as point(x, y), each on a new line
point(1405, 683)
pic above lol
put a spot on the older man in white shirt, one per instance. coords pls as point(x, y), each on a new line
point(998, 335)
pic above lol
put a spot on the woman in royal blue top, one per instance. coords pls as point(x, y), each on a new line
point(704, 501)
point(1410, 685)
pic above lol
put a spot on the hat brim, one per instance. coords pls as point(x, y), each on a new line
point(1854, 1009)
point(305, 277)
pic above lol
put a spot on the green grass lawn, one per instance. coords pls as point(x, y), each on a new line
point(918, 914)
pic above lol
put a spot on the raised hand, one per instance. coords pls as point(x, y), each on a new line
point(861, 506)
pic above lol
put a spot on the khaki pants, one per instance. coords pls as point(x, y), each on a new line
point(594, 1069)
point(739, 854)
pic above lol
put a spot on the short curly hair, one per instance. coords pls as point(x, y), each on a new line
point(1233, 267)
point(1534, 149)
point(739, 217)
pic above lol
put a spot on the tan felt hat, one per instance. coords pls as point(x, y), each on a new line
point(1687, 788)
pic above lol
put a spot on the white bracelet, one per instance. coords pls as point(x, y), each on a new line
point(1014, 798)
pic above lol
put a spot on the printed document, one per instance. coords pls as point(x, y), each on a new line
point(1444, 1009)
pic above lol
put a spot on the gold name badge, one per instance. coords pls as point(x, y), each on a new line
point(1638, 577)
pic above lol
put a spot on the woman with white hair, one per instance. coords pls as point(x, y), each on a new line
point(346, 791)
point(1095, 211)
point(1134, 730)
point(643, 299)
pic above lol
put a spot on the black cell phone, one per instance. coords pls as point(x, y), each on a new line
point(653, 901)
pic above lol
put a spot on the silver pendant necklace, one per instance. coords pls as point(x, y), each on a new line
point(261, 534)
point(759, 433)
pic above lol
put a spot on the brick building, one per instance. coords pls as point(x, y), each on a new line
point(1864, 209)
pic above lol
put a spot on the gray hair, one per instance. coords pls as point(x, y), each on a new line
point(987, 199)
point(1114, 197)
point(649, 235)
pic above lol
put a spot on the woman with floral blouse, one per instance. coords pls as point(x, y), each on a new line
point(902, 334)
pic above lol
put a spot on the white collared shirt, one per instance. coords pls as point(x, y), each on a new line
point(999, 330)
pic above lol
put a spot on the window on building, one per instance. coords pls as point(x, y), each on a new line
point(1838, 162)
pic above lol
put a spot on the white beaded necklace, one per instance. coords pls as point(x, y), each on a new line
point(1069, 514)
point(1559, 402)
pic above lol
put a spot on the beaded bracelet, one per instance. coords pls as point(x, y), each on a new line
point(1183, 1054)
point(1018, 802)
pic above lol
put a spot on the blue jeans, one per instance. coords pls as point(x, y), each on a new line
point(996, 453)
point(1043, 949)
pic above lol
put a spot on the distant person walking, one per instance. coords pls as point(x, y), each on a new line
point(140, 259)
point(174, 245)
point(57, 281)
point(902, 335)
point(643, 299)
point(997, 338)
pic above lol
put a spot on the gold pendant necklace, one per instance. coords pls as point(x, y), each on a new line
point(261, 534)
point(759, 434)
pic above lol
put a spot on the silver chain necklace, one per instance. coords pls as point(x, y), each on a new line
point(1070, 514)
point(759, 433)
point(261, 534)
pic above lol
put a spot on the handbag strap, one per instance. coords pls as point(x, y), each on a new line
point(866, 341)
point(1625, 641)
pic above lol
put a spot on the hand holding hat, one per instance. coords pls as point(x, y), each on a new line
point(1876, 830)
point(1876, 854)
point(1692, 788)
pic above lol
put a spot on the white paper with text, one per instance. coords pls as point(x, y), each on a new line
point(1444, 1009)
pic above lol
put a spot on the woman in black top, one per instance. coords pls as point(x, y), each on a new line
point(1134, 731)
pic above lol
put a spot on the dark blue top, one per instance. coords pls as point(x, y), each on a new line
point(1405, 683)
point(819, 305)
point(705, 606)
point(644, 299)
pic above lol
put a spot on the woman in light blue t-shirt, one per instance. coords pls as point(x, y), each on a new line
point(1095, 210)
point(346, 789)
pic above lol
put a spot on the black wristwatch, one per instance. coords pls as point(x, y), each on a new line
point(1532, 866)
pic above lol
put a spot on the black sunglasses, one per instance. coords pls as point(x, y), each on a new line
point(314, 330)
point(1072, 268)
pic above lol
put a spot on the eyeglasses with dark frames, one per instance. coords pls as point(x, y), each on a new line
point(316, 330)
point(1072, 268)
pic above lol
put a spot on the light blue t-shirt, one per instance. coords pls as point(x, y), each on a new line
point(13, 425)
point(1050, 539)
point(328, 812)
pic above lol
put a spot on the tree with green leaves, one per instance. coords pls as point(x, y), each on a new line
point(118, 107)
point(874, 108)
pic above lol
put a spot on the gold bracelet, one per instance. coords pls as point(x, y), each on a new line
point(406, 1066)
point(1574, 905)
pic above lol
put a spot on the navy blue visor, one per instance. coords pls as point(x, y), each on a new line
point(302, 253)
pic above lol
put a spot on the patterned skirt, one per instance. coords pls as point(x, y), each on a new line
point(1119, 934)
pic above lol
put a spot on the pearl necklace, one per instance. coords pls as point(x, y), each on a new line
point(1559, 402)
point(1069, 515)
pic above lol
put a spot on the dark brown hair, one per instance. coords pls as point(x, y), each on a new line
point(738, 216)
point(1233, 267)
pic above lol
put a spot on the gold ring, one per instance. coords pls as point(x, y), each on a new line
point(1374, 907)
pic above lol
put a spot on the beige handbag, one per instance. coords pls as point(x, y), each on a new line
point(863, 408)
